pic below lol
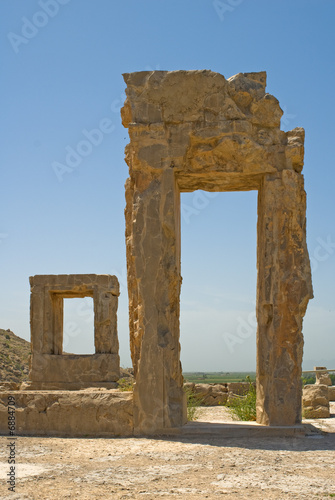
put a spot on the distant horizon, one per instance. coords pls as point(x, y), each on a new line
point(307, 365)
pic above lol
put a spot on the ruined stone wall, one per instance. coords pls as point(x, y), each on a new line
point(197, 130)
point(217, 394)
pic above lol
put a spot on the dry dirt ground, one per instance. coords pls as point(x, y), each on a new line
point(179, 467)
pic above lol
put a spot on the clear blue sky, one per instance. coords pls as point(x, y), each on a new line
point(62, 63)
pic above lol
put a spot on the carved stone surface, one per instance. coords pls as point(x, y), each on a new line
point(197, 130)
point(50, 368)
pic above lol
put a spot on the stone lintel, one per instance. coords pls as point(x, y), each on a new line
point(76, 285)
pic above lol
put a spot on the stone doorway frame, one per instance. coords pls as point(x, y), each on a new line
point(196, 130)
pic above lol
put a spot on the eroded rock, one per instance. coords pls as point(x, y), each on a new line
point(315, 401)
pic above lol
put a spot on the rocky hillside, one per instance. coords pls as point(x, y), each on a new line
point(14, 357)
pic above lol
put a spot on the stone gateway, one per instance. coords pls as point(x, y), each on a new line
point(196, 130)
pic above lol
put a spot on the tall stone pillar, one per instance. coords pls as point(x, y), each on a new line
point(284, 289)
point(153, 255)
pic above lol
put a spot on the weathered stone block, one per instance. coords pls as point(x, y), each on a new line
point(322, 377)
point(315, 402)
point(76, 368)
point(316, 412)
point(266, 112)
point(295, 148)
point(239, 388)
point(315, 395)
point(69, 413)
point(209, 394)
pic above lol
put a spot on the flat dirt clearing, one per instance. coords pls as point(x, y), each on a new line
point(179, 467)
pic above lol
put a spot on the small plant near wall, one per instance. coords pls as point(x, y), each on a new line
point(193, 403)
point(244, 407)
point(125, 384)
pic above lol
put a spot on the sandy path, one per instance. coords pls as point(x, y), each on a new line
point(185, 468)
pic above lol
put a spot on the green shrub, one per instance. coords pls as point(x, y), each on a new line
point(244, 407)
point(193, 403)
point(308, 380)
point(126, 384)
point(311, 379)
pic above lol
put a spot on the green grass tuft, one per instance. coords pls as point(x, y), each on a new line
point(244, 407)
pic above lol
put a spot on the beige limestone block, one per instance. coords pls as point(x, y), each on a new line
point(322, 377)
point(315, 395)
point(316, 412)
point(315, 401)
point(266, 112)
point(295, 148)
point(69, 413)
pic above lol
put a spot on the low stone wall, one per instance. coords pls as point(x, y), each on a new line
point(69, 413)
point(315, 402)
point(209, 394)
point(217, 394)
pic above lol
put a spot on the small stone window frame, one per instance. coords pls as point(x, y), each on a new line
point(50, 367)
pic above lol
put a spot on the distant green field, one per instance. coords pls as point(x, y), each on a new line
point(217, 377)
point(225, 377)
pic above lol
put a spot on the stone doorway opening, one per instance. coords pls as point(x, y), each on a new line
point(78, 326)
point(219, 270)
point(194, 130)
